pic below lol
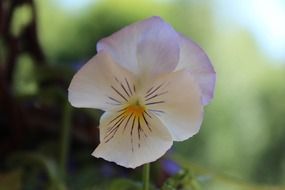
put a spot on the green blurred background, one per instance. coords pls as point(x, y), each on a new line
point(241, 144)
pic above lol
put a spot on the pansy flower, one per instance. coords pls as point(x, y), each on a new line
point(152, 83)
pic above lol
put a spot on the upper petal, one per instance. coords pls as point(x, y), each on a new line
point(195, 59)
point(149, 46)
point(176, 100)
point(131, 141)
point(158, 48)
point(101, 83)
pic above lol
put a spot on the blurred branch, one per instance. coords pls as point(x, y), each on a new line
point(26, 42)
point(11, 49)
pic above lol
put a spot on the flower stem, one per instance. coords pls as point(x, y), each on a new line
point(65, 138)
point(146, 170)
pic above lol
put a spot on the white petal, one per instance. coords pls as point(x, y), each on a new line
point(199, 65)
point(121, 46)
point(176, 99)
point(158, 48)
point(150, 45)
point(129, 144)
point(101, 84)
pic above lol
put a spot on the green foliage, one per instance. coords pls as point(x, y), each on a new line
point(21, 18)
point(125, 184)
point(24, 82)
point(184, 180)
point(207, 178)
point(38, 163)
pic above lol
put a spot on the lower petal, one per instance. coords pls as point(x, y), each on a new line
point(131, 141)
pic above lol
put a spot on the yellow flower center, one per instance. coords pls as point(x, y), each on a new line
point(135, 109)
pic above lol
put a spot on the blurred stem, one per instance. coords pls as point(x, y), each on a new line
point(146, 170)
point(65, 139)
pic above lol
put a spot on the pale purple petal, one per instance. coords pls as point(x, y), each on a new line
point(197, 62)
point(151, 44)
point(158, 48)
point(121, 46)
point(171, 167)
